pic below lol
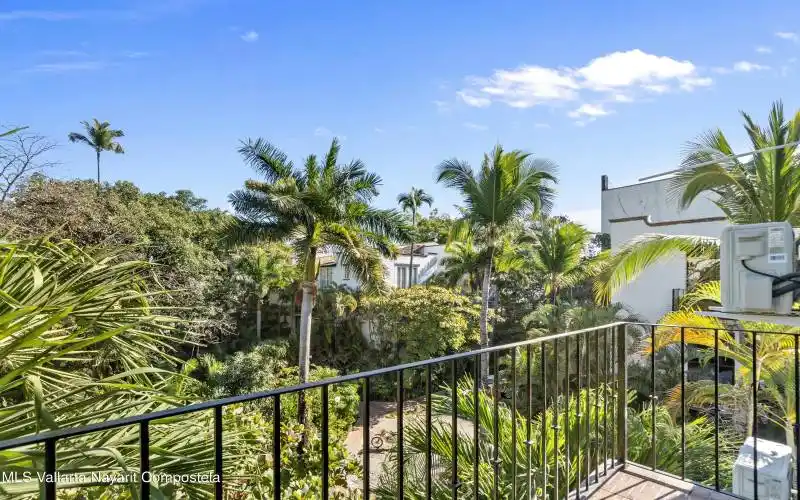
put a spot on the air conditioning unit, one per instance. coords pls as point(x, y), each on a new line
point(757, 268)
point(774, 463)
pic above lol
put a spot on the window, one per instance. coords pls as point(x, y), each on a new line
point(403, 278)
point(325, 276)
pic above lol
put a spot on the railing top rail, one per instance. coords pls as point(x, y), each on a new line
point(712, 328)
point(210, 405)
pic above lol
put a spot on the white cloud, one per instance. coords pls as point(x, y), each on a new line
point(379, 130)
point(322, 132)
point(761, 49)
point(250, 37)
point(689, 84)
point(656, 88)
point(39, 15)
point(63, 53)
point(326, 132)
point(625, 69)
point(474, 126)
point(133, 54)
point(593, 110)
point(442, 106)
point(67, 67)
point(747, 67)
point(528, 86)
point(788, 35)
point(618, 77)
point(541, 125)
point(473, 100)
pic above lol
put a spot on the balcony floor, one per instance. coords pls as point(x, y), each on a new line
point(637, 483)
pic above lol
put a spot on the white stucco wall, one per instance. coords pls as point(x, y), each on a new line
point(429, 264)
point(650, 295)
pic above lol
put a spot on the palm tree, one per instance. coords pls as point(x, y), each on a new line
point(764, 188)
point(412, 201)
point(323, 206)
point(467, 258)
point(461, 265)
point(263, 270)
point(508, 185)
point(557, 254)
point(100, 137)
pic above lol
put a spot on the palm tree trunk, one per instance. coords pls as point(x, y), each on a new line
point(258, 319)
point(411, 256)
point(98, 169)
point(487, 274)
point(306, 308)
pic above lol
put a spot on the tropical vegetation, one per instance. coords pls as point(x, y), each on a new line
point(116, 302)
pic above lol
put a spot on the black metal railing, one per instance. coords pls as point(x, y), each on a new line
point(603, 448)
point(573, 413)
point(767, 358)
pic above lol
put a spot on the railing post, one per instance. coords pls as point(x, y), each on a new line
point(622, 395)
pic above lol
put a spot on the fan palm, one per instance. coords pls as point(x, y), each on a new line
point(323, 206)
point(764, 188)
point(508, 185)
point(264, 270)
point(412, 201)
point(100, 137)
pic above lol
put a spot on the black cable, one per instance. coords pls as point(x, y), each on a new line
point(761, 273)
point(777, 292)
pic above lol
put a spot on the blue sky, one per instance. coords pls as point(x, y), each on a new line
point(612, 87)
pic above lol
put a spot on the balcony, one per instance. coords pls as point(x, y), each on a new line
point(604, 413)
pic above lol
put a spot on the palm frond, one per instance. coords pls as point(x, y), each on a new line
point(643, 251)
point(266, 159)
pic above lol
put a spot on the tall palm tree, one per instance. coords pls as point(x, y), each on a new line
point(263, 270)
point(321, 206)
point(557, 254)
point(763, 188)
point(412, 201)
point(100, 137)
point(508, 185)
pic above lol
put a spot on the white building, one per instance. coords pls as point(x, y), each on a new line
point(427, 262)
point(630, 211)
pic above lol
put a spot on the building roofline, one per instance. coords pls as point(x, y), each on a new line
point(647, 220)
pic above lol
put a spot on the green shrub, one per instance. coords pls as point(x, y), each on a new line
point(266, 367)
point(412, 324)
